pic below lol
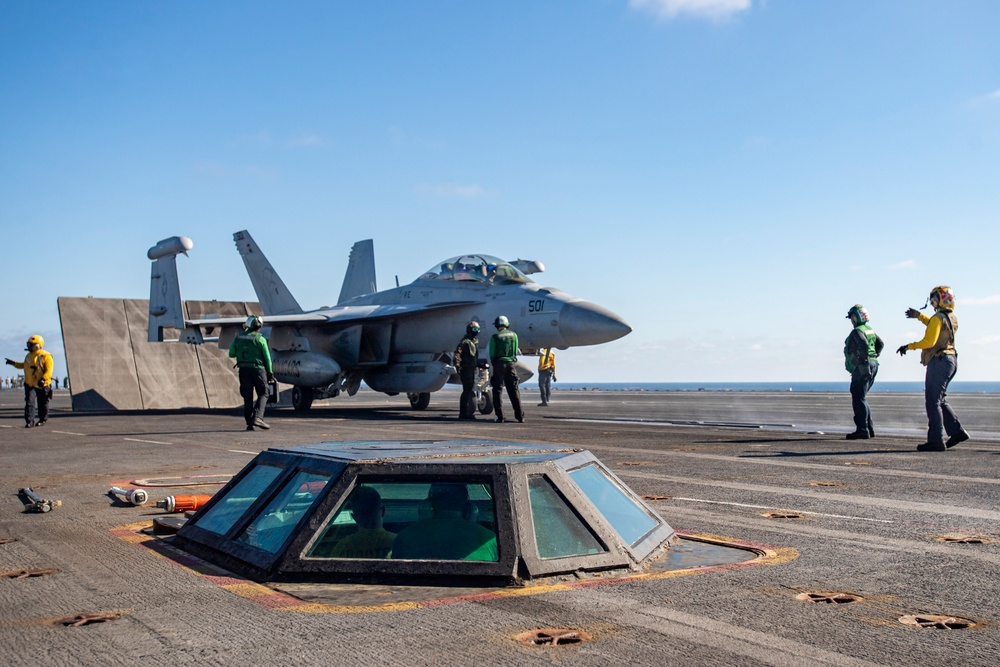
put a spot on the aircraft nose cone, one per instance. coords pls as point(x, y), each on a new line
point(585, 323)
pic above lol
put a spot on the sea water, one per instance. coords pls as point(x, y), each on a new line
point(888, 387)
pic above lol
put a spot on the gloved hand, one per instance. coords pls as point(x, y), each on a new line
point(554, 379)
point(901, 351)
point(912, 313)
point(11, 362)
point(270, 377)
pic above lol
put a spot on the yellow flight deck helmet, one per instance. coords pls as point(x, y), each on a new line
point(942, 297)
point(36, 340)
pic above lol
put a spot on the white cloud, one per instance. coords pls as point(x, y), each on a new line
point(669, 9)
point(262, 138)
point(306, 141)
point(266, 139)
point(986, 340)
point(454, 190)
point(991, 300)
point(905, 265)
point(982, 101)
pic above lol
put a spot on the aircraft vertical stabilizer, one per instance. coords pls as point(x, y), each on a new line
point(165, 307)
point(360, 277)
point(274, 297)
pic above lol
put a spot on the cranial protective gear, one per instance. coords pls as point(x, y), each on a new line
point(942, 297)
point(36, 340)
point(858, 314)
point(501, 321)
point(253, 323)
point(472, 328)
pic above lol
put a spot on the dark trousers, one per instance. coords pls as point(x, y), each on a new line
point(861, 381)
point(253, 380)
point(36, 403)
point(940, 417)
point(467, 402)
point(504, 375)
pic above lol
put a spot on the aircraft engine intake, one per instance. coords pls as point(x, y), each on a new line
point(304, 369)
point(409, 377)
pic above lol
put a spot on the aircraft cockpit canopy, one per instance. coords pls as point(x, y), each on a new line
point(476, 268)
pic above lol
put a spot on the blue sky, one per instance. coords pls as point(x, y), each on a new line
point(728, 175)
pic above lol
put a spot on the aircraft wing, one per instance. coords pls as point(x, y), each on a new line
point(336, 314)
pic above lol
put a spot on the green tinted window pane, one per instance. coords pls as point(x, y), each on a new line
point(273, 526)
point(559, 532)
point(357, 529)
point(625, 515)
point(224, 514)
point(413, 520)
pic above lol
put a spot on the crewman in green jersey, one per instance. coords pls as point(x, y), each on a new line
point(254, 361)
point(861, 350)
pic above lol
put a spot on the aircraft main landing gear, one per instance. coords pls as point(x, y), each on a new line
point(302, 398)
point(419, 401)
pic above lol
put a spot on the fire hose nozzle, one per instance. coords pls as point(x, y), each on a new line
point(134, 496)
point(39, 504)
point(182, 503)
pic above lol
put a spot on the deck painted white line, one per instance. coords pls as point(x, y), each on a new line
point(152, 442)
point(771, 507)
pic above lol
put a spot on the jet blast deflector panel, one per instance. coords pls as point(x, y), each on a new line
point(425, 511)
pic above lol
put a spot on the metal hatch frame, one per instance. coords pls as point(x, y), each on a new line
point(505, 466)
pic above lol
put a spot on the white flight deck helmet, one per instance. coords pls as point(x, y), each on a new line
point(501, 322)
point(253, 323)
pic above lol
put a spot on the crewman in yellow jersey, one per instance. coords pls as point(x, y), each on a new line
point(37, 367)
point(938, 354)
point(546, 374)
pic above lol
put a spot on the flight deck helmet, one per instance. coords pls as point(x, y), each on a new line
point(858, 314)
point(501, 322)
point(942, 297)
point(36, 340)
point(253, 323)
point(472, 328)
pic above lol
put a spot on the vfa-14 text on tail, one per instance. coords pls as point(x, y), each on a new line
point(396, 341)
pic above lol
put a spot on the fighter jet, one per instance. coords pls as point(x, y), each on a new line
point(396, 341)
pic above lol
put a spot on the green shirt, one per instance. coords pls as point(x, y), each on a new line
point(250, 351)
point(503, 346)
point(863, 344)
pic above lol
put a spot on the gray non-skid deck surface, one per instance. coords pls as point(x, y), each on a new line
point(873, 535)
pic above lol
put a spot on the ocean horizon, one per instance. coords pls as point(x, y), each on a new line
point(957, 387)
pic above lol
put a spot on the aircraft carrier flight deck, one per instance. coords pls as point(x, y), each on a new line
point(877, 554)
